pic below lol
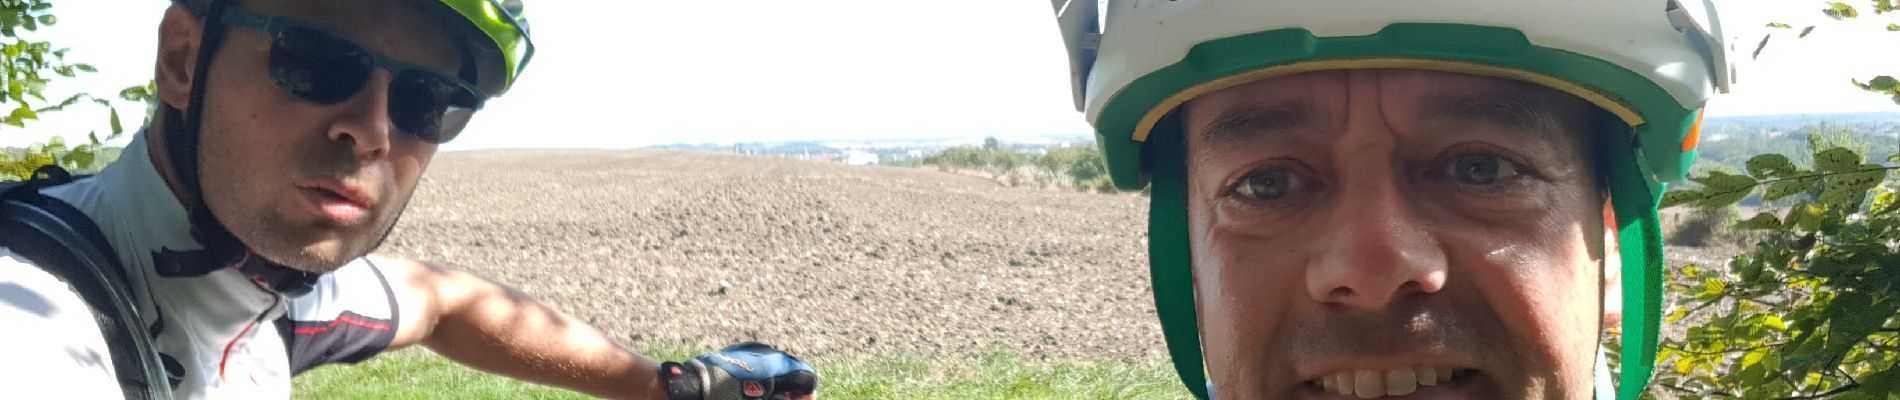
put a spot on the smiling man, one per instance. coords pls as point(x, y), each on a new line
point(1422, 199)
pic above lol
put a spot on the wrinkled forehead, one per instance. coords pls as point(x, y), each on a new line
point(1405, 98)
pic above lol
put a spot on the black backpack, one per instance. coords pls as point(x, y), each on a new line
point(62, 241)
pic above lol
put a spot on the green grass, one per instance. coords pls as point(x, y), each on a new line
point(417, 373)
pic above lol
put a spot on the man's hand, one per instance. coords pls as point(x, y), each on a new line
point(747, 371)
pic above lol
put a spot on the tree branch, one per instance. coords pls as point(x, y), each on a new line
point(1763, 302)
point(1843, 389)
point(1697, 393)
point(1741, 350)
point(1761, 183)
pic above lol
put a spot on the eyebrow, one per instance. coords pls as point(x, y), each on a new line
point(1240, 124)
point(1510, 109)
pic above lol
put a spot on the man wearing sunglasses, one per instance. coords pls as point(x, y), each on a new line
point(1410, 199)
point(290, 137)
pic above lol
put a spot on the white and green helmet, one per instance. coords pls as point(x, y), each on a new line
point(1652, 64)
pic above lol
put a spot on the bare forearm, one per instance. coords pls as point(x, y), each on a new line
point(504, 331)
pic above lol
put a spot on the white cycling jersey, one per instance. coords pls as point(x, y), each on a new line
point(220, 334)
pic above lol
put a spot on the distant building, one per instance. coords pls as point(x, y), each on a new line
point(855, 157)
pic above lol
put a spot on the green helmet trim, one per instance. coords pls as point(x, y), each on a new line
point(1662, 134)
point(504, 29)
point(1126, 119)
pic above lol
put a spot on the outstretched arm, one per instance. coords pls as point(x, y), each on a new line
point(495, 328)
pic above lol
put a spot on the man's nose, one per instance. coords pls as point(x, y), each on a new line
point(1375, 251)
point(365, 122)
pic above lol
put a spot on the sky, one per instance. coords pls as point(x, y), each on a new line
point(620, 74)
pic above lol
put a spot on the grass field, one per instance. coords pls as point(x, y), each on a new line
point(417, 373)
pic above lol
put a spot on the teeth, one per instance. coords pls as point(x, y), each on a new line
point(1368, 384)
point(1400, 382)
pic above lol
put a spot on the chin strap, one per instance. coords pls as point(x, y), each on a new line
point(221, 248)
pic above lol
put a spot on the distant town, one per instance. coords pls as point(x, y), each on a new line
point(906, 152)
point(1723, 138)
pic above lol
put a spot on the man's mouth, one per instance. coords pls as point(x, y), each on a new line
point(341, 203)
point(1369, 384)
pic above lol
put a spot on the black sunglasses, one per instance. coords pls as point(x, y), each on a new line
point(323, 67)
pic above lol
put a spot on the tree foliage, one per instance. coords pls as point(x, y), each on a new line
point(1809, 311)
point(27, 68)
point(1078, 166)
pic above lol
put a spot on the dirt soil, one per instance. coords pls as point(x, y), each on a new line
point(822, 259)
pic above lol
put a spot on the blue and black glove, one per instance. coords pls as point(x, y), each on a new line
point(745, 371)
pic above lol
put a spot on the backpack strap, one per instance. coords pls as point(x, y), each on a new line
point(62, 241)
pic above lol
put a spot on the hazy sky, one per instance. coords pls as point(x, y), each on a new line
point(633, 73)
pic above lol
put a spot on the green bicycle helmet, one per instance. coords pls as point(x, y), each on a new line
point(503, 24)
point(1652, 64)
point(500, 23)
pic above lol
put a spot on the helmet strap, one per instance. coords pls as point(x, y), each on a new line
point(1170, 262)
point(221, 248)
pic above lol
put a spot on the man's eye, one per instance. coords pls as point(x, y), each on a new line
point(1482, 169)
point(1265, 185)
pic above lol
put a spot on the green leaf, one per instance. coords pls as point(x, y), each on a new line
point(1711, 289)
point(1770, 166)
point(1788, 187)
point(1754, 357)
point(116, 128)
point(1848, 188)
point(1761, 221)
point(41, 7)
point(85, 67)
point(1851, 317)
point(1774, 321)
point(135, 93)
point(1882, 83)
point(1838, 159)
point(1723, 189)
point(1805, 32)
point(48, 19)
point(1764, 45)
point(1883, 6)
point(1893, 27)
point(1678, 197)
point(1838, 11)
point(1718, 181)
point(81, 159)
point(24, 113)
point(1883, 384)
point(1778, 25)
point(1808, 217)
point(1884, 203)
